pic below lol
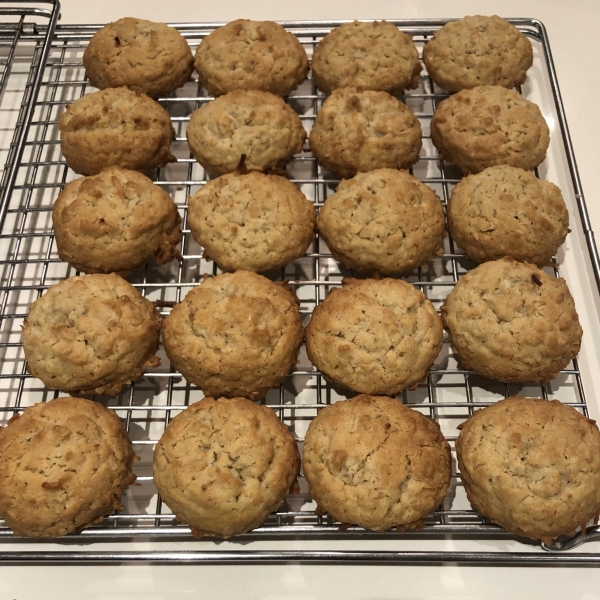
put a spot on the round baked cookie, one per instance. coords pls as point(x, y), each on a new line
point(513, 322)
point(478, 50)
point(373, 55)
point(91, 335)
point(222, 466)
point(506, 211)
point(115, 222)
point(488, 126)
point(531, 466)
point(64, 465)
point(374, 336)
point(360, 130)
point(254, 222)
point(116, 127)
point(373, 462)
point(251, 55)
point(145, 56)
point(236, 334)
point(258, 125)
point(384, 221)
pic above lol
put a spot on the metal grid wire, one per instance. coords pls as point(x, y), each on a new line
point(29, 265)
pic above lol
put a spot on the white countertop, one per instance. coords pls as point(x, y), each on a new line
point(572, 29)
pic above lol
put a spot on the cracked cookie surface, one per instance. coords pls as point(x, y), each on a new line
point(236, 334)
point(487, 126)
point(222, 466)
point(532, 466)
point(384, 221)
point(64, 465)
point(254, 222)
point(145, 56)
point(506, 211)
point(251, 55)
point(373, 55)
point(114, 222)
point(91, 335)
point(373, 462)
point(374, 336)
point(361, 130)
point(513, 322)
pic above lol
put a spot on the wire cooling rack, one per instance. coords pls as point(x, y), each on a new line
point(29, 264)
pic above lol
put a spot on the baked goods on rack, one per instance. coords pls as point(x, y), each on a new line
point(236, 334)
point(478, 50)
point(361, 130)
point(64, 465)
point(374, 336)
point(373, 462)
point(91, 335)
point(257, 125)
point(145, 56)
point(513, 322)
point(251, 221)
point(251, 55)
point(384, 221)
point(532, 466)
point(223, 465)
point(115, 127)
point(488, 126)
point(374, 55)
point(115, 222)
point(506, 211)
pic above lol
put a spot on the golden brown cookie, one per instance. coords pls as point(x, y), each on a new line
point(115, 127)
point(236, 334)
point(532, 466)
point(358, 130)
point(64, 465)
point(223, 465)
point(254, 222)
point(145, 56)
point(513, 322)
point(478, 50)
point(373, 462)
point(384, 221)
point(487, 126)
point(258, 125)
point(374, 336)
point(251, 55)
point(91, 335)
point(506, 211)
point(373, 55)
point(115, 222)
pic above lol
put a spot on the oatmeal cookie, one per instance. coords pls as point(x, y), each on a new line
point(531, 466)
point(222, 466)
point(91, 335)
point(115, 127)
point(373, 462)
point(254, 222)
point(506, 211)
point(258, 125)
point(64, 465)
point(374, 336)
point(145, 56)
point(384, 221)
point(115, 222)
point(357, 131)
point(251, 55)
point(478, 50)
point(513, 322)
point(488, 126)
point(236, 334)
point(373, 55)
